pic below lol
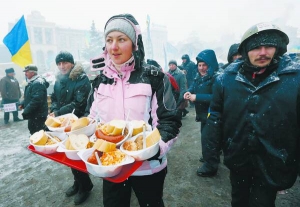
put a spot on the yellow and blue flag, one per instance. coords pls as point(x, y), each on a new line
point(17, 43)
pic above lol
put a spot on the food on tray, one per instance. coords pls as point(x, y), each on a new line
point(77, 142)
point(40, 138)
point(137, 126)
point(112, 131)
point(53, 122)
point(80, 123)
point(137, 144)
point(107, 158)
point(104, 146)
point(152, 138)
point(61, 121)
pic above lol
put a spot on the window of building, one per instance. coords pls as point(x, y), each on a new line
point(38, 37)
point(49, 36)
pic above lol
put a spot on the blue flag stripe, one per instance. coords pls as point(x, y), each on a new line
point(17, 37)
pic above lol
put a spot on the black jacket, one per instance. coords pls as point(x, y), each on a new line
point(35, 99)
point(70, 92)
point(258, 126)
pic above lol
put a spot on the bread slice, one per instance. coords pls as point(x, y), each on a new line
point(52, 122)
point(104, 146)
point(39, 138)
point(115, 127)
point(152, 138)
point(77, 142)
point(80, 123)
point(137, 126)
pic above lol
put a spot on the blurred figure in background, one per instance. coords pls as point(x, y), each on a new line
point(181, 81)
point(11, 93)
point(233, 54)
point(200, 92)
point(190, 70)
point(35, 100)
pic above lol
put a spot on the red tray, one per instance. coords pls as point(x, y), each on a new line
point(60, 157)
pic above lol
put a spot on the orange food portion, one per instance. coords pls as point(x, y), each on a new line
point(112, 158)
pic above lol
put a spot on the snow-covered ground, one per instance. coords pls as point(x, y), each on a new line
point(28, 179)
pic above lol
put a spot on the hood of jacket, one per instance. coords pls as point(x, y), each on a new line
point(209, 57)
point(233, 50)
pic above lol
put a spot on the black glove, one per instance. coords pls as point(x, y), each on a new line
point(155, 157)
point(98, 63)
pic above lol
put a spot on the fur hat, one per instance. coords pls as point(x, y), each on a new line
point(31, 67)
point(9, 70)
point(64, 56)
point(173, 62)
point(120, 25)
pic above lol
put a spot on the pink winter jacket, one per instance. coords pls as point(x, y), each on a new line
point(130, 92)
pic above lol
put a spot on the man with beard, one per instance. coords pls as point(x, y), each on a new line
point(255, 118)
point(70, 92)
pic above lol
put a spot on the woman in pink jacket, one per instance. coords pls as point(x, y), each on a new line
point(127, 85)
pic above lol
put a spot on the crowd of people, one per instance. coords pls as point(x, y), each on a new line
point(248, 109)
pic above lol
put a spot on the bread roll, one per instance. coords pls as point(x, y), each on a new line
point(52, 122)
point(39, 138)
point(80, 123)
point(104, 146)
point(77, 142)
point(115, 127)
point(152, 138)
point(137, 126)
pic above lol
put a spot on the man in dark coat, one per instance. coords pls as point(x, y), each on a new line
point(71, 90)
point(255, 118)
point(233, 54)
point(10, 93)
point(35, 100)
point(190, 70)
point(200, 93)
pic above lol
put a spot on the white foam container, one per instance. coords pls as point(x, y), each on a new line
point(93, 138)
point(71, 154)
point(100, 170)
point(50, 149)
point(62, 129)
point(89, 130)
point(143, 154)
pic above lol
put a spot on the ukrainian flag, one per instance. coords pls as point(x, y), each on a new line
point(18, 44)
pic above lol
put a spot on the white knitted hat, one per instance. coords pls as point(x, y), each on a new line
point(120, 25)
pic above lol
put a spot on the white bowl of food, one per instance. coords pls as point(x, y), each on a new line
point(140, 148)
point(73, 144)
point(43, 143)
point(118, 139)
point(58, 124)
point(88, 130)
point(101, 170)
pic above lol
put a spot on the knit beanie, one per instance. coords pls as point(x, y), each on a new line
point(9, 70)
point(64, 56)
point(267, 38)
point(173, 62)
point(120, 25)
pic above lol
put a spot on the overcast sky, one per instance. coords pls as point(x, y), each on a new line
point(209, 19)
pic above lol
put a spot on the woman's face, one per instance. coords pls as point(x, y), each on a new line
point(202, 68)
point(119, 47)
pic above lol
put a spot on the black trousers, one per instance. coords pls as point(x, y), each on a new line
point(148, 190)
point(248, 190)
point(15, 113)
point(82, 180)
point(36, 124)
